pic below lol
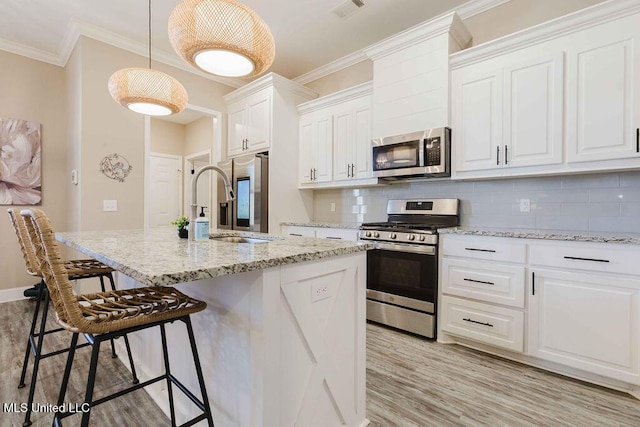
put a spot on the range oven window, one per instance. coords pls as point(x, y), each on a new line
point(397, 156)
point(405, 274)
point(243, 201)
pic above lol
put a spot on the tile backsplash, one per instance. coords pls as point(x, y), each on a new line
point(604, 202)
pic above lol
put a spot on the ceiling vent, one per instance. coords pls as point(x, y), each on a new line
point(347, 8)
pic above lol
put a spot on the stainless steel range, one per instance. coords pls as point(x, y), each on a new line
point(402, 269)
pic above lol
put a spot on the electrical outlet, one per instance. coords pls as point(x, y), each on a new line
point(525, 205)
point(319, 292)
point(109, 205)
point(333, 207)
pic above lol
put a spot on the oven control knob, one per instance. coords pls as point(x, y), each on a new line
point(392, 235)
point(412, 237)
point(422, 238)
point(367, 234)
point(376, 234)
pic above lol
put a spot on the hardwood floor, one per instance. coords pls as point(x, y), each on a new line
point(410, 382)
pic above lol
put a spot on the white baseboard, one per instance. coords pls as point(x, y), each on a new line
point(14, 294)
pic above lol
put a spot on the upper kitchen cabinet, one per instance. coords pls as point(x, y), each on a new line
point(249, 129)
point(604, 92)
point(555, 98)
point(257, 113)
point(411, 76)
point(335, 140)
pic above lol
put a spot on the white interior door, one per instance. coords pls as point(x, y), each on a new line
point(165, 174)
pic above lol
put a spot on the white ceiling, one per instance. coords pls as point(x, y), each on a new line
point(307, 35)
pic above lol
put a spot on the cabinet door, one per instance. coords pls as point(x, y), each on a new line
point(603, 68)
point(259, 122)
point(586, 321)
point(236, 129)
point(533, 112)
point(323, 149)
point(476, 107)
point(306, 148)
point(362, 153)
point(342, 145)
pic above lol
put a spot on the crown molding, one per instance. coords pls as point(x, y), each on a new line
point(580, 20)
point(30, 52)
point(337, 97)
point(332, 67)
point(270, 80)
point(464, 11)
point(476, 7)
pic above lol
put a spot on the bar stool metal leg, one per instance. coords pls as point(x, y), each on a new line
point(34, 321)
point(167, 371)
point(36, 359)
point(88, 398)
point(196, 361)
point(126, 339)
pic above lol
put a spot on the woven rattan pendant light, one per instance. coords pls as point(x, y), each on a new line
point(148, 91)
point(221, 37)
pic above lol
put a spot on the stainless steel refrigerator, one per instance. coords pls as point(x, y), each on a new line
point(250, 178)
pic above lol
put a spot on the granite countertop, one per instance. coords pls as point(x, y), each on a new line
point(567, 235)
point(158, 256)
point(322, 225)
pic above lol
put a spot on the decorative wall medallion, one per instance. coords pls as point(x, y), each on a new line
point(115, 166)
point(20, 166)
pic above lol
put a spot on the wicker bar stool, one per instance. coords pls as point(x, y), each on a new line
point(106, 315)
point(76, 269)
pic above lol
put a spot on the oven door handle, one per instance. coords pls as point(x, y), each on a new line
point(416, 249)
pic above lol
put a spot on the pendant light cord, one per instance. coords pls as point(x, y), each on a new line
point(149, 34)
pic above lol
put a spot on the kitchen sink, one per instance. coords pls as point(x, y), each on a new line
point(239, 239)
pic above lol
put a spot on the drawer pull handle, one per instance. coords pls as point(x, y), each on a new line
point(479, 250)
point(586, 259)
point(295, 234)
point(479, 323)
point(334, 238)
point(479, 281)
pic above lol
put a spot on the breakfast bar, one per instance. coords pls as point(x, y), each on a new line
point(282, 341)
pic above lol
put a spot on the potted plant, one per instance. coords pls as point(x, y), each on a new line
point(182, 223)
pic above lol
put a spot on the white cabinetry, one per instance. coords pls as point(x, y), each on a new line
point(249, 126)
point(263, 116)
point(603, 113)
point(335, 140)
point(556, 98)
point(332, 233)
point(508, 113)
point(482, 285)
point(581, 315)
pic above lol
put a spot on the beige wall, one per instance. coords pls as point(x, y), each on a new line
point(198, 136)
point(32, 90)
point(167, 137)
point(354, 75)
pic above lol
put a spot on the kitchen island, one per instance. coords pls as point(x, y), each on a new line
point(282, 341)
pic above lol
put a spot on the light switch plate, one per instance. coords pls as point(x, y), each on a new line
point(109, 205)
point(525, 205)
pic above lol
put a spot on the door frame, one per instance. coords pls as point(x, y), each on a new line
point(217, 143)
point(147, 212)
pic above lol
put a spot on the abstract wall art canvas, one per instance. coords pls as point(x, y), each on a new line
point(20, 165)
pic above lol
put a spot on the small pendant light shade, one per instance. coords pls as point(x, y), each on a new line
point(147, 91)
point(222, 37)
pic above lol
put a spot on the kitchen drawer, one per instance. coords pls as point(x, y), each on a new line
point(497, 283)
point(295, 230)
point(337, 233)
point(600, 257)
point(486, 248)
point(496, 326)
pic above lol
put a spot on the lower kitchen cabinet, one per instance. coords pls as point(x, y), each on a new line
point(586, 321)
point(489, 324)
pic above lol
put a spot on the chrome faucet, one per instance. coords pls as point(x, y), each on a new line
point(194, 194)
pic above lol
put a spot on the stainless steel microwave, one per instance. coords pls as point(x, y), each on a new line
point(424, 154)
